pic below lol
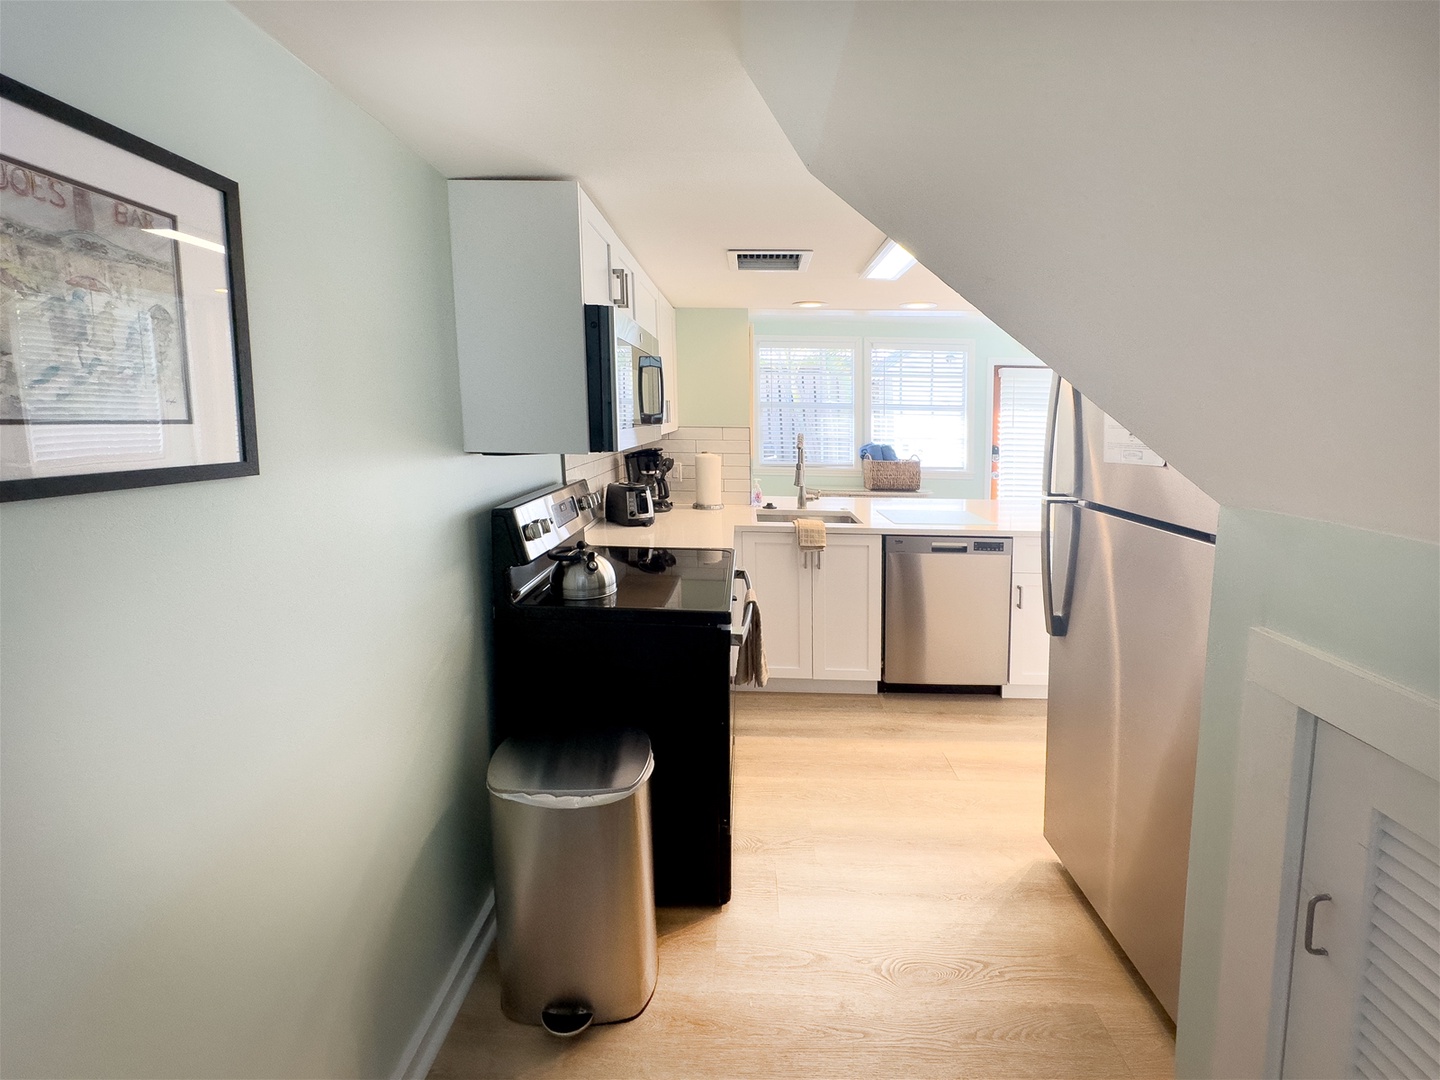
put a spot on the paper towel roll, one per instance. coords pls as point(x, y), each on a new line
point(707, 482)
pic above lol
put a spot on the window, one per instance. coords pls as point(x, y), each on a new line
point(842, 393)
point(918, 402)
point(809, 388)
point(1022, 400)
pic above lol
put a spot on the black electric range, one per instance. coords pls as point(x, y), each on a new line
point(656, 654)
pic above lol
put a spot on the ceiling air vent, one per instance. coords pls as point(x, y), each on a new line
point(768, 259)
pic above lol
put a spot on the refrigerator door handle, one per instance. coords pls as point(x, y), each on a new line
point(1057, 617)
point(1049, 466)
point(1061, 392)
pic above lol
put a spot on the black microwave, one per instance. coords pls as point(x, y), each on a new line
point(626, 380)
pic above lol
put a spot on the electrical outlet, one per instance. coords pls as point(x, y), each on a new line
point(677, 472)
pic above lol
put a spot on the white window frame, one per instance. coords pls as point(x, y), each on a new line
point(792, 341)
point(974, 413)
point(965, 345)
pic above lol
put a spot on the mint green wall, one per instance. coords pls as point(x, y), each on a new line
point(1367, 598)
point(990, 344)
point(244, 722)
point(713, 348)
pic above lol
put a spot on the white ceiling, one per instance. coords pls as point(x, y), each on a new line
point(646, 104)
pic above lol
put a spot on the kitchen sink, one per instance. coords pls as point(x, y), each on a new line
point(830, 517)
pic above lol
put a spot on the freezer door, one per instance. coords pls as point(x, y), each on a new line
point(1124, 715)
point(1116, 470)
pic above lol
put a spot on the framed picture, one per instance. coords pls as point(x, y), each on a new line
point(124, 353)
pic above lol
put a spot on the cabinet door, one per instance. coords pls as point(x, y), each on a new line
point(622, 280)
point(647, 306)
point(594, 262)
point(1029, 644)
point(783, 591)
point(846, 610)
point(1369, 1005)
point(671, 364)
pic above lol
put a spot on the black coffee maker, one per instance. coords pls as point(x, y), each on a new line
point(649, 466)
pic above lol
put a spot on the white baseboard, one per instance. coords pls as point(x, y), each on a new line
point(1024, 690)
point(813, 686)
point(435, 1024)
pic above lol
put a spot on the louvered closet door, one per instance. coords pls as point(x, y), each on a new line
point(1370, 1007)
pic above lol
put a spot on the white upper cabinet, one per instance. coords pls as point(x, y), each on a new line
point(527, 256)
point(666, 334)
point(647, 307)
point(594, 256)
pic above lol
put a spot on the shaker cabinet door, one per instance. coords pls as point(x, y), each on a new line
point(595, 263)
point(783, 590)
point(846, 612)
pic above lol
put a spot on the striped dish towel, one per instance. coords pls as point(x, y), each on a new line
point(752, 667)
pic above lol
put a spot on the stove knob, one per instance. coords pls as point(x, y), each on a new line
point(531, 530)
point(544, 524)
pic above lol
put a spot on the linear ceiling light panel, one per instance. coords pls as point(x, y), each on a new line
point(791, 260)
point(889, 263)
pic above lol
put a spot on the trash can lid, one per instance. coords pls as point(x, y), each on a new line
point(578, 766)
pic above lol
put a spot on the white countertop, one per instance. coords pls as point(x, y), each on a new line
point(686, 527)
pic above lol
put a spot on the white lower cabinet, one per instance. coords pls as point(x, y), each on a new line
point(820, 610)
point(1029, 643)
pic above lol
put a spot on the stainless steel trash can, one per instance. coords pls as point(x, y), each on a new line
point(574, 880)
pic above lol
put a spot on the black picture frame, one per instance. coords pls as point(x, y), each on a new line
point(134, 370)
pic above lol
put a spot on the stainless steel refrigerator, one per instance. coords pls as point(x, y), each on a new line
point(1128, 552)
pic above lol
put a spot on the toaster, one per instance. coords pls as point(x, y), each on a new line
point(629, 504)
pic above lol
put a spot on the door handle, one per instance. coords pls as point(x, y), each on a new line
point(1056, 609)
point(1019, 597)
point(1052, 417)
point(624, 279)
point(1310, 925)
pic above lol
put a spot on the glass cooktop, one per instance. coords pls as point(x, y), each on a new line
point(658, 579)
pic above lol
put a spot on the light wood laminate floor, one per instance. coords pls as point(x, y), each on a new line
point(896, 913)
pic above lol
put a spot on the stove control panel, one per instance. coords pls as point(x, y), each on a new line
point(550, 520)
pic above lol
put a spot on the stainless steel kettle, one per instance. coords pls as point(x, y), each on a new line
point(584, 573)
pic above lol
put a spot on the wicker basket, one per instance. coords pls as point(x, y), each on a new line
point(891, 475)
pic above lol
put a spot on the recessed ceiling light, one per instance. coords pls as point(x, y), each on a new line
point(889, 263)
point(919, 305)
point(809, 303)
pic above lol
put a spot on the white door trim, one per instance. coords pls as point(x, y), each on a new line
point(1287, 685)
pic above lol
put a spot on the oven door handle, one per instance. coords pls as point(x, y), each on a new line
point(737, 637)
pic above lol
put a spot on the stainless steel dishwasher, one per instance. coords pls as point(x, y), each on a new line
point(947, 610)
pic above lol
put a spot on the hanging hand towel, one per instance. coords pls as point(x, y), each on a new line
point(810, 534)
point(751, 666)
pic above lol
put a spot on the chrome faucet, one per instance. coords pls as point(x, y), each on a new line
point(800, 470)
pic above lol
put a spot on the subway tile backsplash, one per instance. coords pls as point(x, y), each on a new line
point(731, 443)
point(599, 469)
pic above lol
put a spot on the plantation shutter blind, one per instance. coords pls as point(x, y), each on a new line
point(918, 402)
point(806, 388)
point(1022, 399)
